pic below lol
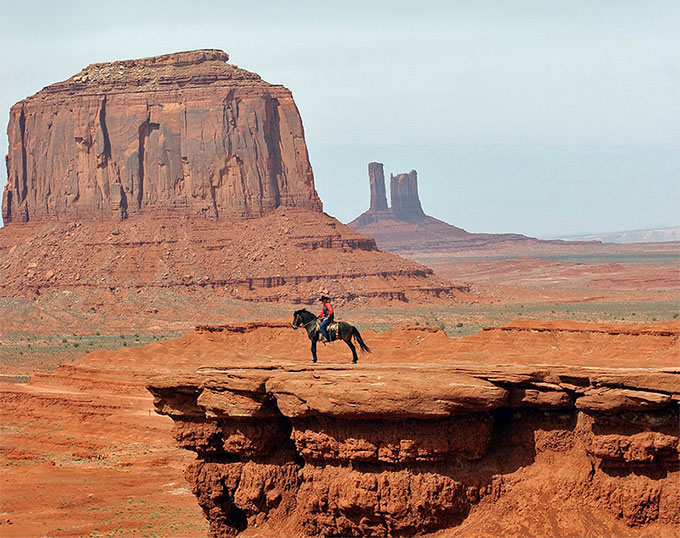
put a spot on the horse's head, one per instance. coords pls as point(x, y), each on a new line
point(297, 319)
point(301, 317)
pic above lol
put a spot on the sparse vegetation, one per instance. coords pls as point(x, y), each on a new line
point(477, 316)
point(24, 355)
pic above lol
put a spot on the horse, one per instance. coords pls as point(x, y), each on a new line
point(338, 330)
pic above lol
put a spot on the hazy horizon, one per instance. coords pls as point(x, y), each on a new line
point(532, 118)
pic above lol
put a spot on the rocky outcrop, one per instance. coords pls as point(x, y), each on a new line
point(180, 134)
point(406, 449)
point(529, 463)
point(404, 195)
point(376, 177)
point(143, 174)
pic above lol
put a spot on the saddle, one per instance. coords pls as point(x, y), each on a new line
point(333, 329)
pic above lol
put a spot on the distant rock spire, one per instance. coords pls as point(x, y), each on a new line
point(404, 195)
point(376, 177)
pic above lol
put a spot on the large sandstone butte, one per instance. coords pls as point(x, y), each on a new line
point(179, 171)
point(184, 133)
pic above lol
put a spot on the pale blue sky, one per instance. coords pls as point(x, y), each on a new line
point(543, 118)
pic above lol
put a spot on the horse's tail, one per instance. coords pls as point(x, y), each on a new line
point(357, 337)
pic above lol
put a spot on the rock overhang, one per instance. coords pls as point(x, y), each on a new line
point(334, 445)
point(427, 392)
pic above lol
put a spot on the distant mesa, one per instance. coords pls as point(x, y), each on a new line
point(376, 176)
point(403, 193)
point(405, 226)
point(654, 235)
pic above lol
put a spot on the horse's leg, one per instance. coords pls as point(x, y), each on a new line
point(354, 351)
point(314, 349)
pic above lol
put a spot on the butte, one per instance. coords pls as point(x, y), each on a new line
point(184, 174)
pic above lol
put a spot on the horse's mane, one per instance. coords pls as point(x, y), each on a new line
point(303, 310)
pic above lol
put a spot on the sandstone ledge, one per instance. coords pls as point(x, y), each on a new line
point(400, 391)
point(406, 449)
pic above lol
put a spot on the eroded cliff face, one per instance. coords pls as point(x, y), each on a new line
point(404, 450)
point(180, 134)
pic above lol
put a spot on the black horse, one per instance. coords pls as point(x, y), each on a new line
point(336, 331)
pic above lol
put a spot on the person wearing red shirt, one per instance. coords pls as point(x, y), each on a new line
point(326, 317)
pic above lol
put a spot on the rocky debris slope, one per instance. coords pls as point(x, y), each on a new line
point(181, 134)
point(406, 448)
point(287, 255)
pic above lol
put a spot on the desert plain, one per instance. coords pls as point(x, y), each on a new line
point(153, 385)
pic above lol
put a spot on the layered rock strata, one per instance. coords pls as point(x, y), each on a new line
point(287, 255)
point(403, 450)
point(182, 134)
point(149, 173)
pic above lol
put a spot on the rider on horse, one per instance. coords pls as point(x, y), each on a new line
point(326, 317)
point(344, 331)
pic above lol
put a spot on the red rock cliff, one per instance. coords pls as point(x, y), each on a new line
point(184, 133)
point(407, 449)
